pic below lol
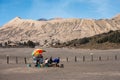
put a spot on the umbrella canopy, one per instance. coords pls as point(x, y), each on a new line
point(37, 52)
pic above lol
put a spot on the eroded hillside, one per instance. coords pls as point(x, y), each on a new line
point(55, 30)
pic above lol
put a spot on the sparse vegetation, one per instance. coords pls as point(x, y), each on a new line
point(112, 37)
point(30, 44)
point(105, 40)
point(10, 44)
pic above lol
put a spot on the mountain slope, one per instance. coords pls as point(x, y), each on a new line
point(56, 29)
point(102, 41)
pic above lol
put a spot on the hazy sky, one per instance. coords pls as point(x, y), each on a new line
point(35, 9)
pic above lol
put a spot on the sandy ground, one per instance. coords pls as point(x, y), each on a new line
point(88, 70)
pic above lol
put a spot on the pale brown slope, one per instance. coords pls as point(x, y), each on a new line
point(56, 30)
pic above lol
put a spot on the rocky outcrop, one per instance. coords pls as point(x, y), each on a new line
point(54, 30)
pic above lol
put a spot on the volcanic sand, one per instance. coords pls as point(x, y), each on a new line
point(88, 70)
